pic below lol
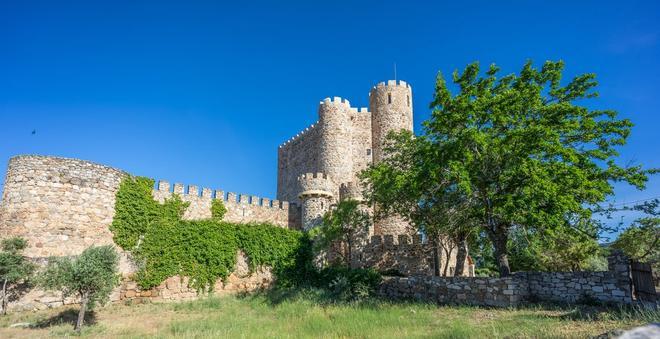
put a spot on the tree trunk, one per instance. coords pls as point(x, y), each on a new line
point(4, 297)
point(499, 242)
point(447, 257)
point(83, 307)
point(461, 255)
point(436, 259)
point(350, 252)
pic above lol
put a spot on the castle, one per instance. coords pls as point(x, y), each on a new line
point(319, 166)
point(62, 206)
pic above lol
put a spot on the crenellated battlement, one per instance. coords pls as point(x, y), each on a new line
point(193, 191)
point(315, 184)
point(391, 83)
point(300, 134)
point(335, 101)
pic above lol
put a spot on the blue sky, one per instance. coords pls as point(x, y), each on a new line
point(204, 92)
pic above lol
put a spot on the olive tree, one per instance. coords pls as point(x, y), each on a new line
point(91, 276)
point(15, 269)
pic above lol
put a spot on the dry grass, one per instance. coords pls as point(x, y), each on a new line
point(307, 317)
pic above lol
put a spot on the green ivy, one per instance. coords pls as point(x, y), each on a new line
point(164, 245)
point(218, 209)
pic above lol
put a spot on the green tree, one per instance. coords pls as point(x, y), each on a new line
point(343, 223)
point(15, 269)
point(407, 183)
point(520, 151)
point(91, 276)
point(560, 249)
point(641, 240)
point(524, 150)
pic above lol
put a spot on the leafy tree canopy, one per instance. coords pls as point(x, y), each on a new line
point(514, 151)
point(91, 276)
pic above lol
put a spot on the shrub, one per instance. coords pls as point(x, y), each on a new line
point(347, 284)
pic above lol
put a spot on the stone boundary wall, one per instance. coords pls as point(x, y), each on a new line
point(406, 255)
point(480, 291)
point(241, 208)
point(612, 287)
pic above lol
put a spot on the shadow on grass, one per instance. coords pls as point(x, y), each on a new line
point(321, 297)
point(65, 317)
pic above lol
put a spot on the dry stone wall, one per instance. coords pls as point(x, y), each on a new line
point(500, 292)
point(612, 287)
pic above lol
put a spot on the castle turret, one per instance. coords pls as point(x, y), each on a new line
point(335, 142)
point(350, 191)
point(315, 197)
point(391, 110)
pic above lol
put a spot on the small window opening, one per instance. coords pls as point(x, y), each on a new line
point(321, 204)
point(389, 98)
point(368, 151)
point(408, 100)
point(244, 212)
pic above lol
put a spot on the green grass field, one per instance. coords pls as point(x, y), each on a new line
point(307, 316)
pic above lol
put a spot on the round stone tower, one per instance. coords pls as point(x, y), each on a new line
point(352, 191)
point(391, 110)
point(316, 196)
point(335, 143)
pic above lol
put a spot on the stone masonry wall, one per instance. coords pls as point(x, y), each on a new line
point(405, 256)
point(60, 206)
point(176, 288)
point(500, 292)
point(240, 208)
point(612, 286)
point(346, 136)
point(172, 289)
point(295, 157)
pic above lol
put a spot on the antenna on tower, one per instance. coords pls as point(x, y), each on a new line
point(395, 71)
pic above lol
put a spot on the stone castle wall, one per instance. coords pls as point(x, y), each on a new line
point(60, 206)
point(406, 255)
point(241, 208)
